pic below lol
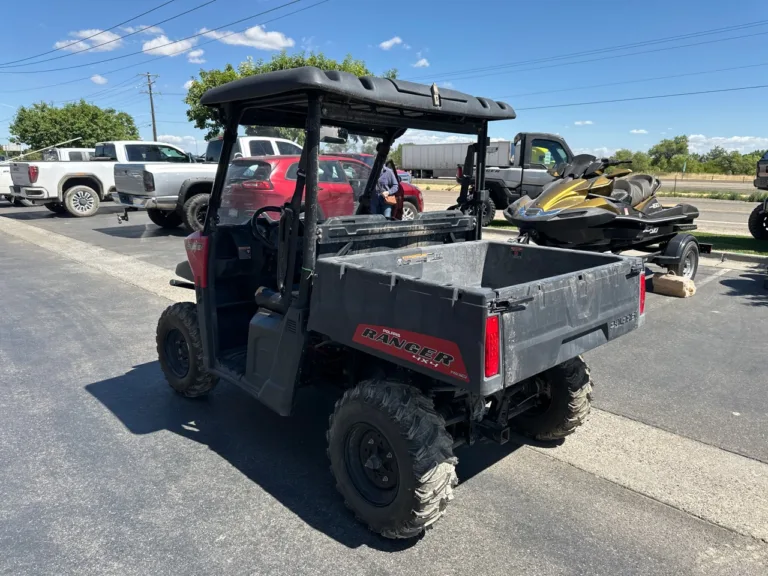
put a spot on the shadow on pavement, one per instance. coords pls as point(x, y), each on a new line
point(142, 231)
point(27, 214)
point(751, 287)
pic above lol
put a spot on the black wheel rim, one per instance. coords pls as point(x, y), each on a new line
point(371, 464)
point(201, 214)
point(177, 353)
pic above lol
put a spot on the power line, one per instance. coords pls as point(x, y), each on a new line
point(88, 37)
point(599, 50)
point(654, 97)
point(108, 42)
point(155, 47)
point(179, 51)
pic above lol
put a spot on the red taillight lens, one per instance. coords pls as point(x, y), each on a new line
point(196, 246)
point(33, 172)
point(257, 185)
point(149, 181)
point(491, 346)
point(642, 292)
point(459, 172)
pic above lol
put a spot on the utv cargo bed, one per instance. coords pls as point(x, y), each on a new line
point(435, 309)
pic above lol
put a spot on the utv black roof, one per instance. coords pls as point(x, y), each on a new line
point(362, 105)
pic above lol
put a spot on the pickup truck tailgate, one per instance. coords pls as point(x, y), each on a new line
point(129, 178)
point(428, 308)
point(20, 174)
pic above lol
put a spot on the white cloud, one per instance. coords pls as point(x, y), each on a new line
point(162, 46)
point(155, 30)
point(583, 122)
point(446, 84)
point(196, 56)
point(407, 46)
point(99, 79)
point(638, 131)
point(422, 63)
point(255, 37)
point(188, 84)
point(600, 152)
point(188, 143)
point(699, 143)
point(427, 137)
point(85, 42)
point(387, 44)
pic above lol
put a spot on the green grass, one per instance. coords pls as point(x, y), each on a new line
point(713, 195)
point(503, 224)
point(731, 243)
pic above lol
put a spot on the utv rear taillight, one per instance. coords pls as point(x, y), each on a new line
point(459, 172)
point(196, 246)
point(149, 181)
point(257, 185)
point(642, 292)
point(491, 346)
point(33, 172)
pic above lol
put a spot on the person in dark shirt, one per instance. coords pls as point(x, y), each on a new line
point(385, 186)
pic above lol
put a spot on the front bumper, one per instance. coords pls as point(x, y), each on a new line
point(34, 194)
point(145, 202)
point(761, 182)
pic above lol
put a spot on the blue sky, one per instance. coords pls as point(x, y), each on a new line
point(449, 42)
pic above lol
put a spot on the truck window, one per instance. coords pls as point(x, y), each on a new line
point(546, 153)
point(213, 150)
point(76, 157)
point(288, 148)
point(154, 153)
point(260, 148)
point(106, 151)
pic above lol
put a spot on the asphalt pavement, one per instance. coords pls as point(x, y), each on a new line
point(104, 470)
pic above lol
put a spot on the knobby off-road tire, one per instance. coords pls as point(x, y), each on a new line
point(489, 212)
point(758, 223)
point(567, 400)
point(164, 218)
point(178, 335)
point(81, 201)
point(56, 207)
point(194, 210)
point(416, 449)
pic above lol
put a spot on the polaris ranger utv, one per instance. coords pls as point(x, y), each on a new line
point(434, 337)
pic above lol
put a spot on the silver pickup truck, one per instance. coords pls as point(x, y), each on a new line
point(178, 194)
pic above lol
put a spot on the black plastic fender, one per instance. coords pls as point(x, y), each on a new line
point(187, 184)
point(675, 247)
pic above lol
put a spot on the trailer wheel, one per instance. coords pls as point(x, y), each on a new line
point(758, 223)
point(81, 201)
point(180, 351)
point(195, 211)
point(164, 218)
point(56, 207)
point(566, 398)
point(392, 457)
point(689, 260)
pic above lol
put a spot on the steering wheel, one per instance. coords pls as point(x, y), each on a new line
point(258, 228)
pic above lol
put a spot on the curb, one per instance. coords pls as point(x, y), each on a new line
point(736, 257)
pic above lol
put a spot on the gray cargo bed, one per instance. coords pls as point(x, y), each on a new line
point(421, 307)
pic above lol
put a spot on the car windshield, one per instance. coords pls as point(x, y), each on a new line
point(255, 182)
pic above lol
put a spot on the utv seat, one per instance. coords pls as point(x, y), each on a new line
point(635, 188)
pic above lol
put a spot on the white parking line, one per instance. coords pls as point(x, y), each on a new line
point(721, 487)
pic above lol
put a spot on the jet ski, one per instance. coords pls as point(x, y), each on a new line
point(586, 208)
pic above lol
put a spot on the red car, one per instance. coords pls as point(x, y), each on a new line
point(270, 181)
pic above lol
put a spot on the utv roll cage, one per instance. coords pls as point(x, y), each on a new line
point(309, 98)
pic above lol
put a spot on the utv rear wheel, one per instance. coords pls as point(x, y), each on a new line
point(489, 212)
point(195, 211)
point(758, 223)
point(81, 201)
point(180, 351)
point(164, 218)
point(392, 458)
point(56, 207)
point(566, 398)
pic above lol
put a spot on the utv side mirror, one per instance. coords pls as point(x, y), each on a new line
point(333, 135)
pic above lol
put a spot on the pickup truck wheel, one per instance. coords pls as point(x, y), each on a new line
point(566, 398)
point(758, 223)
point(392, 457)
point(164, 218)
point(195, 211)
point(81, 201)
point(56, 207)
point(180, 351)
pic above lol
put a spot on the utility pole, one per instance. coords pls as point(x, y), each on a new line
point(150, 81)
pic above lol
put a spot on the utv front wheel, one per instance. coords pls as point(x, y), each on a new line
point(392, 458)
point(565, 400)
point(180, 351)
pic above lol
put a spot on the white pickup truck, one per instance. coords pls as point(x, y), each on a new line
point(174, 195)
point(79, 187)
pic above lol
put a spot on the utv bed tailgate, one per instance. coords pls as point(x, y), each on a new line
point(426, 308)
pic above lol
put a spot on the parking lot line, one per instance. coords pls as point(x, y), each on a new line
point(726, 489)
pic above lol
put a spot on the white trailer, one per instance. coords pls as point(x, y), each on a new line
point(441, 160)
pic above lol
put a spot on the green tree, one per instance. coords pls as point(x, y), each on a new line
point(665, 150)
point(396, 155)
point(203, 117)
point(42, 125)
